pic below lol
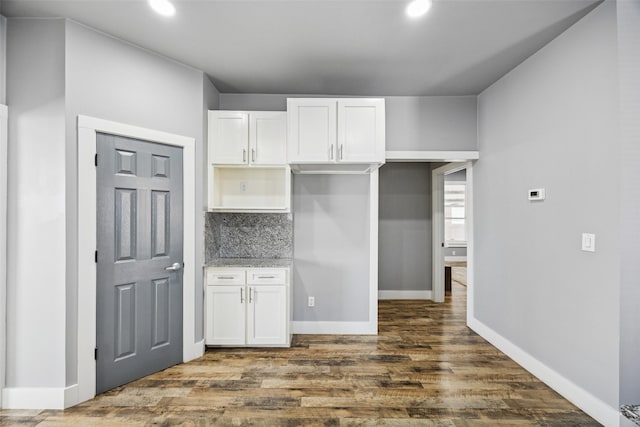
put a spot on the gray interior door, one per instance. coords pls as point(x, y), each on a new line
point(139, 289)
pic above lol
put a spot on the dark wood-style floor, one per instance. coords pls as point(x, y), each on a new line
point(425, 368)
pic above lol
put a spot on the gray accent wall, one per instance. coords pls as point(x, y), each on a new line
point(36, 229)
point(331, 247)
point(412, 122)
point(629, 60)
point(549, 123)
point(405, 235)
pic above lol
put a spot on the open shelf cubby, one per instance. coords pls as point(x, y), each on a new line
point(249, 189)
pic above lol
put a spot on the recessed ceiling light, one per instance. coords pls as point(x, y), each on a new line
point(417, 8)
point(163, 7)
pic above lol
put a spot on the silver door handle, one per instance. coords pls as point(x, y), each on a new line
point(244, 155)
point(266, 277)
point(253, 154)
point(176, 266)
point(340, 151)
point(331, 155)
point(250, 294)
point(241, 296)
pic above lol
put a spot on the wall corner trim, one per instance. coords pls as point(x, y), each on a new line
point(336, 328)
point(596, 408)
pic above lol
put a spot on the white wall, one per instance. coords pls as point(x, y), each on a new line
point(412, 122)
point(629, 62)
point(36, 206)
point(404, 260)
point(552, 122)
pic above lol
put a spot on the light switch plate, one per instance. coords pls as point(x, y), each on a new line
point(588, 242)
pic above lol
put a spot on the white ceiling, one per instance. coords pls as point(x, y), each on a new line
point(331, 47)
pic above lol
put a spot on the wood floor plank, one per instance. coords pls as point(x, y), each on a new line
point(424, 368)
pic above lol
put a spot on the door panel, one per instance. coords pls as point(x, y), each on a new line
point(228, 137)
point(140, 217)
point(312, 130)
point(361, 130)
point(268, 137)
point(225, 315)
point(267, 315)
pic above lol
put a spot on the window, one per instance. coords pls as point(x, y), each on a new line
point(455, 227)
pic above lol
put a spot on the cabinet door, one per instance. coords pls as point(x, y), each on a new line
point(361, 130)
point(268, 138)
point(225, 315)
point(228, 137)
point(267, 315)
point(311, 130)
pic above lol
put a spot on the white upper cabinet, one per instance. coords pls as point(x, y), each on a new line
point(330, 130)
point(228, 137)
point(312, 130)
point(247, 137)
point(361, 130)
point(267, 137)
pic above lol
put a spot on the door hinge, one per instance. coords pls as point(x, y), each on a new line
point(95, 354)
point(96, 257)
point(95, 160)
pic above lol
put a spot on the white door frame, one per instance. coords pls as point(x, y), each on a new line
point(3, 243)
point(437, 194)
point(88, 127)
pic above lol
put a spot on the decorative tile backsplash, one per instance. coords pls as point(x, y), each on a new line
point(248, 235)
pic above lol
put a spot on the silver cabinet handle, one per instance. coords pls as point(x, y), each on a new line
point(253, 154)
point(331, 155)
point(341, 151)
point(176, 266)
point(241, 296)
point(244, 155)
point(250, 294)
point(266, 277)
point(225, 277)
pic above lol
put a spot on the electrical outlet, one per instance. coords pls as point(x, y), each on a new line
point(243, 187)
point(311, 302)
point(453, 252)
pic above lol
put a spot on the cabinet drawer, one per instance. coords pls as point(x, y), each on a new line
point(225, 277)
point(266, 276)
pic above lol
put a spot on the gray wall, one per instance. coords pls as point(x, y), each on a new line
point(413, 122)
point(459, 176)
point(210, 101)
point(36, 204)
point(331, 247)
point(549, 123)
point(628, 42)
point(404, 261)
point(3, 60)
point(56, 71)
point(113, 80)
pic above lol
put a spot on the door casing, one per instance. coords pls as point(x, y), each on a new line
point(437, 194)
point(87, 129)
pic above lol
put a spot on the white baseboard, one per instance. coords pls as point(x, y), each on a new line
point(193, 351)
point(39, 398)
point(336, 328)
point(404, 295)
point(455, 258)
point(596, 408)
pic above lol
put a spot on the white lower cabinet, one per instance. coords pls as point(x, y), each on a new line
point(247, 307)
